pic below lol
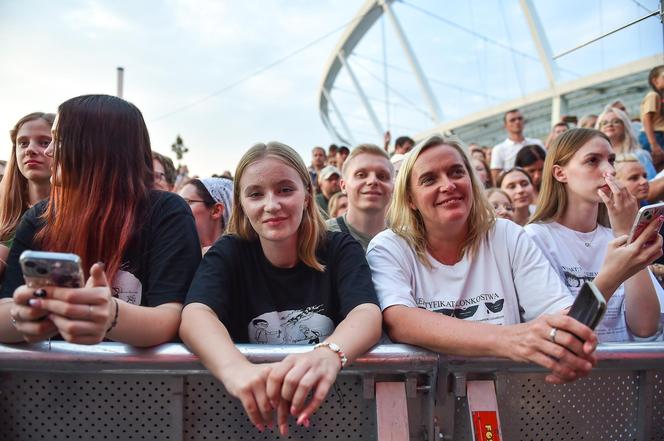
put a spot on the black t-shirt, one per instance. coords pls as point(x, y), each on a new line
point(158, 265)
point(260, 303)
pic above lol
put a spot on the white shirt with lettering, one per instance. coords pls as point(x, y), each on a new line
point(576, 263)
point(507, 274)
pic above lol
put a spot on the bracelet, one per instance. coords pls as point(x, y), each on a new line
point(334, 348)
point(115, 319)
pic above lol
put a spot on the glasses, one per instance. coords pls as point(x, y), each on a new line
point(191, 201)
point(159, 176)
point(613, 122)
point(505, 207)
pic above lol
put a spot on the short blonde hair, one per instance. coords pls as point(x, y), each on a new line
point(369, 149)
point(312, 231)
point(408, 223)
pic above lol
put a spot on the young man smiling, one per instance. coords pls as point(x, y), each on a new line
point(368, 180)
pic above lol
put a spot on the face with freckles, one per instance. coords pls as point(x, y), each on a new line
point(273, 197)
point(441, 187)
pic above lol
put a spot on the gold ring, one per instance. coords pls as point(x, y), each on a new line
point(552, 335)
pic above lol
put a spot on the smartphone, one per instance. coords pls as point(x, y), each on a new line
point(589, 306)
point(43, 268)
point(643, 218)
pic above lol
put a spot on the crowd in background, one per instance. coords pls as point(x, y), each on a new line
point(434, 241)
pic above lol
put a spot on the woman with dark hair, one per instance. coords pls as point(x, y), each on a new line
point(652, 116)
point(102, 208)
point(531, 159)
point(278, 277)
point(27, 175)
point(210, 200)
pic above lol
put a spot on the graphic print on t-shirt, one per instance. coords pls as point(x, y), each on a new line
point(484, 307)
point(127, 287)
point(298, 326)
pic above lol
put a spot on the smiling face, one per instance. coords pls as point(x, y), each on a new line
point(368, 182)
point(634, 177)
point(612, 126)
point(518, 187)
point(32, 140)
point(586, 171)
point(440, 188)
point(273, 198)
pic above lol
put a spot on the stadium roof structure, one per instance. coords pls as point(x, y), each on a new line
point(461, 86)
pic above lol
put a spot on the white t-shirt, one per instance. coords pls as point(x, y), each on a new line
point(503, 155)
point(566, 250)
point(508, 272)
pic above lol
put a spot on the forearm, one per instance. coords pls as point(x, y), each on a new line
point(145, 326)
point(8, 333)
point(606, 283)
point(649, 128)
point(359, 331)
point(656, 190)
point(208, 338)
point(642, 307)
point(440, 333)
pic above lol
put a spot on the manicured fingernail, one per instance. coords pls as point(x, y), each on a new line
point(283, 429)
point(270, 425)
point(260, 427)
point(102, 265)
point(35, 303)
point(306, 423)
point(293, 410)
point(41, 293)
point(589, 366)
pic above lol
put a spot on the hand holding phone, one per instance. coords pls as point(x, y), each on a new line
point(43, 268)
point(643, 218)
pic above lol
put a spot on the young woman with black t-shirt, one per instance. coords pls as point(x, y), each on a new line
point(103, 208)
point(278, 277)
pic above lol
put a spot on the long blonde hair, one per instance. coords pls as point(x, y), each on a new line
point(14, 196)
point(629, 143)
point(312, 231)
point(408, 223)
point(553, 197)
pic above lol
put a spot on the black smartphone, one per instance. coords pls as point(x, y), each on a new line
point(589, 306)
point(43, 268)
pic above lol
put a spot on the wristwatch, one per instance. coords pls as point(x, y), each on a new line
point(334, 348)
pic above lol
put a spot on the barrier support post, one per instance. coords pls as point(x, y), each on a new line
point(392, 411)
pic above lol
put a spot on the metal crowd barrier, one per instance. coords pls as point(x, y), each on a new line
point(113, 391)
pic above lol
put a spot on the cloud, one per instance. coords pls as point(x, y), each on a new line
point(94, 16)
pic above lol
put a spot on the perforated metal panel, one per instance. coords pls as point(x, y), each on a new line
point(211, 414)
point(90, 407)
point(602, 407)
point(658, 407)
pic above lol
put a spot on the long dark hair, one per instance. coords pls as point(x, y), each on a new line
point(103, 164)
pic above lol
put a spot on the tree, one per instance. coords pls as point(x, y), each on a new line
point(179, 148)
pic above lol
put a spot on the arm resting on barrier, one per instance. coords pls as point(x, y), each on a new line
point(567, 357)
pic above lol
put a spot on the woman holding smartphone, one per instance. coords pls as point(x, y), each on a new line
point(277, 277)
point(583, 219)
point(26, 179)
point(452, 278)
point(103, 208)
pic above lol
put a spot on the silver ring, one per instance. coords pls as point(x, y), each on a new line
point(552, 335)
point(90, 312)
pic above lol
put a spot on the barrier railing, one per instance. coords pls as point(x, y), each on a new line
point(113, 391)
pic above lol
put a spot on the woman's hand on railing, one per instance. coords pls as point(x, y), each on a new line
point(551, 341)
point(247, 382)
point(81, 315)
point(291, 381)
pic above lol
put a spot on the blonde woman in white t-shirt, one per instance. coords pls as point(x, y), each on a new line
point(581, 225)
point(452, 278)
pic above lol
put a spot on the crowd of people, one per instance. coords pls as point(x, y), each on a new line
point(455, 248)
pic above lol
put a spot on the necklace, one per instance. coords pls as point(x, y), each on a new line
point(588, 243)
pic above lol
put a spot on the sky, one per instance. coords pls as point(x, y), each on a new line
point(218, 72)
